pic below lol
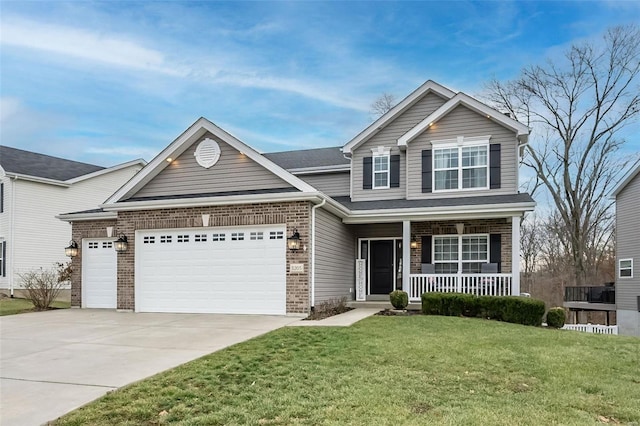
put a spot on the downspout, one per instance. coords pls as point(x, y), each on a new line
point(313, 251)
point(12, 242)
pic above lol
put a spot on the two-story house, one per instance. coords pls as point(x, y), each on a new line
point(34, 188)
point(627, 196)
point(424, 199)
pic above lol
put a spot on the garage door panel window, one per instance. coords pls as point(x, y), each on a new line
point(165, 239)
point(149, 240)
point(94, 245)
point(254, 236)
point(200, 238)
point(218, 237)
point(237, 236)
point(276, 235)
point(183, 238)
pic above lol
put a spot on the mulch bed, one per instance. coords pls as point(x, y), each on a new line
point(318, 315)
point(398, 313)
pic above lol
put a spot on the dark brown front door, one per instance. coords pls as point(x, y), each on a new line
point(382, 267)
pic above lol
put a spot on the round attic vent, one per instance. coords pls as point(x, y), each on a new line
point(207, 153)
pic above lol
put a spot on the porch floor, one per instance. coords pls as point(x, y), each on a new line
point(375, 304)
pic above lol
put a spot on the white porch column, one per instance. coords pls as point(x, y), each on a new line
point(406, 254)
point(515, 255)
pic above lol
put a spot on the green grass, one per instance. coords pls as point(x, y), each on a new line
point(14, 306)
point(415, 370)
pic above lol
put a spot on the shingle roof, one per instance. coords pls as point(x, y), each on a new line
point(28, 163)
point(319, 157)
point(437, 202)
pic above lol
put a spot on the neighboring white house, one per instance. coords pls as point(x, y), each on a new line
point(34, 188)
point(627, 196)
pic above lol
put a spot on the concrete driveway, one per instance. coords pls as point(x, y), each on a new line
point(53, 362)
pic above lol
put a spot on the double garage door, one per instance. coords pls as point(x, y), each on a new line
point(240, 270)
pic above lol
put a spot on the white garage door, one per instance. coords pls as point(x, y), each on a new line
point(238, 270)
point(98, 274)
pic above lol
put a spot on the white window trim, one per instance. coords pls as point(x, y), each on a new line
point(459, 143)
point(460, 261)
point(380, 152)
point(620, 268)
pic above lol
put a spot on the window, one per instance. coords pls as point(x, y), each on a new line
point(237, 236)
point(183, 238)
point(625, 268)
point(474, 250)
point(380, 171)
point(165, 239)
point(255, 236)
point(145, 240)
point(217, 237)
point(94, 245)
point(460, 167)
point(200, 238)
point(276, 235)
point(107, 244)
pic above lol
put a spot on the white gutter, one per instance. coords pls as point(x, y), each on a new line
point(38, 179)
point(313, 251)
point(320, 169)
point(77, 217)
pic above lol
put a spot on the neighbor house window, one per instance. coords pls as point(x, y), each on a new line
point(380, 171)
point(460, 167)
point(625, 268)
point(3, 259)
point(456, 253)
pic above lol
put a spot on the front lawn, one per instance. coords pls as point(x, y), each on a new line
point(390, 371)
point(13, 306)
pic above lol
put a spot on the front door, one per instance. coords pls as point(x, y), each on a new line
point(382, 267)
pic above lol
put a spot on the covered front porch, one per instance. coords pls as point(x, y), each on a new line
point(472, 256)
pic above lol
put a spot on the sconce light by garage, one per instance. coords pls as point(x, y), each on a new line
point(414, 242)
point(72, 249)
point(121, 244)
point(293, 242)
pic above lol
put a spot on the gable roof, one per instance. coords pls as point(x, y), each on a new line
point(319, 158)
point(26, 163)
point(184, 141)
point(429, 86)
point(628, 177)
point(463, 99)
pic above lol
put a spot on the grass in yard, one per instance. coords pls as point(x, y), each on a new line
point(13, 306)
point(392, 370)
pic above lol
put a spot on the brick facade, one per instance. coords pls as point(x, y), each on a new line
point(295, 215)
point(479, 226)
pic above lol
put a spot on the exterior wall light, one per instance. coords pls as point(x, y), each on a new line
point(72, 249)
point(293, 242)
point(121, 244)
point(414, 242)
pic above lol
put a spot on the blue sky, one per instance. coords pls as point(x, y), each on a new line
point(107, 82)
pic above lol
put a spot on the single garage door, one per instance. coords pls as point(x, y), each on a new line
point(99, 273)
point(239, 270)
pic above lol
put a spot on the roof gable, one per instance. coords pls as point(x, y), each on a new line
point(626, 179)
point(473, 104)
point(186, 140)
point(429, 86)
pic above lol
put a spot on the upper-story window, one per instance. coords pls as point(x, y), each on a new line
point(625, 268)
point(380, 171)
point(461, 165)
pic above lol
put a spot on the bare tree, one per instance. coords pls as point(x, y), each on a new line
point(578, 106)
point(531, 239)
point(383, 104)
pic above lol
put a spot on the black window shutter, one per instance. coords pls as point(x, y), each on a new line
point(426, 171)
point(1, 197)
point(494, 166)
point(495, 250)
point(394, 168)
point(367, 172)
point(3, 264)
point(426, 249)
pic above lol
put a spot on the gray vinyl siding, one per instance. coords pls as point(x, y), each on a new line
point(464, 122)
point(628, 244)
point(232, 172)
point(378, 230)
point(388, 137)
point(334, 258)
point(332, 184)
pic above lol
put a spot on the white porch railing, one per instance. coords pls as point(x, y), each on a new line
point(478, 284)
point(592, 328)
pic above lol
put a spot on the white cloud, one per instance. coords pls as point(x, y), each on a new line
point(84, 44)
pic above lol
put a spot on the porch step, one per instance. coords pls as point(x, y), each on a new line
point(380, 305)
